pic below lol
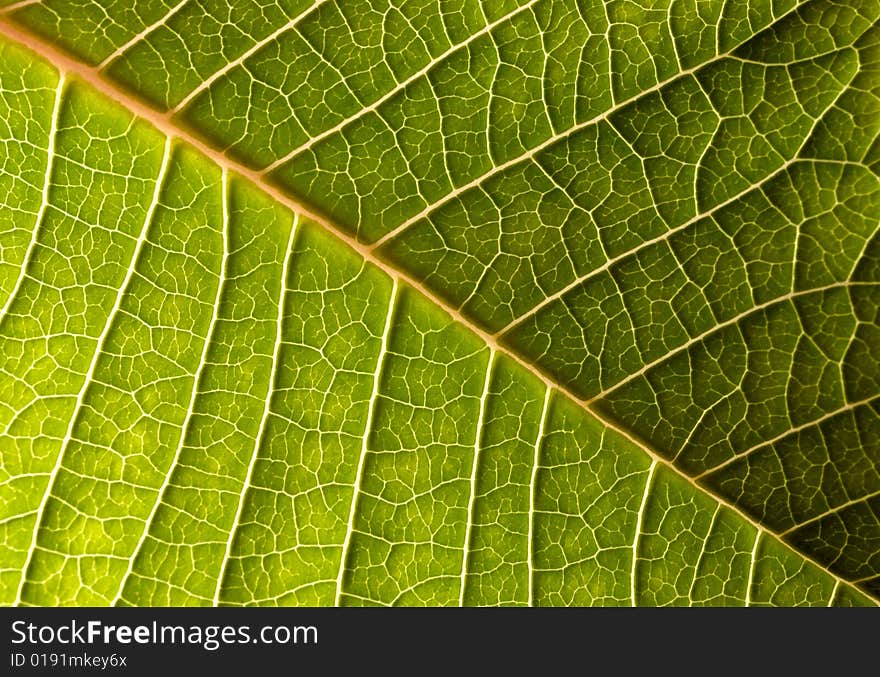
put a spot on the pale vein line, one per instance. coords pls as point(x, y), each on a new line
point(12, 518)
point(18, 5)
point(672, 35)
point(533, 490)
point(44, 198)
point(609, 24)
point(371, 410)
point(724, 325)
point(256, 47)
point(834, 593)
point(547, 143)
point(140, 36)
point(699, 424)
point(752, 565)
point(267, 404)
point(197, 377)
point(832, 511)
point(99, 348)
point(859, 581)
point(864, 249)
point(639, 519)
point(466, 550)
point(787, 433)
point(719, 21)
point(363, 112)
point(703, 553)
point(698, 165)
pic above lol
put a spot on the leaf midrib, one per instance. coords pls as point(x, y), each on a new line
point(79, 70)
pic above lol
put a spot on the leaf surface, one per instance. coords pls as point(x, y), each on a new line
point(665, 210)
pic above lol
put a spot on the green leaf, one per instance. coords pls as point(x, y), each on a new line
point(598, 325)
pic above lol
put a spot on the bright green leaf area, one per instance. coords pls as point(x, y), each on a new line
point(670, 208)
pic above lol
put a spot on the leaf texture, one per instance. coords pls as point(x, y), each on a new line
point(668, 209)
